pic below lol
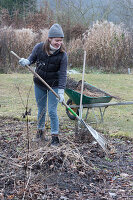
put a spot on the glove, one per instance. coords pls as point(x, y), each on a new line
point(23, 62)
point(61, 95)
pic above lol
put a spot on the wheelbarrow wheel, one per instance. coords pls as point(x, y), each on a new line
point(69, 114)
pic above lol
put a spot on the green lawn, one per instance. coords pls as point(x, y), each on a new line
point(118, 120)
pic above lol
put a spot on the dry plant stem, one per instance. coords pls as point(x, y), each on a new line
point(26, 185)
point(31, 154)
point(27, 126)
point(28, 95)
point(27, 157)
point(40, 161)
point(20, 96)
point(27, 121)
point(8, 160)
point(12, 162)
point(28, 143)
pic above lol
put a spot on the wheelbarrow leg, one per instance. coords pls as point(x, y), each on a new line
point(87, 114)
point(102, 113)
point(93, 111)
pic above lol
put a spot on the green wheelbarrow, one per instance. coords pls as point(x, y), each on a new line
point(87, 101)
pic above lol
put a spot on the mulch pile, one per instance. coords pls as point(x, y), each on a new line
point(73, 170)
point(88, 89)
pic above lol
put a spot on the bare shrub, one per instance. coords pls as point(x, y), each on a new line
point(28, 18)
point(40, 20)
point(71, 30)
point(5, 18)
point(77, 30)
point(14, 20)
point(6, 44)
point(20, 41)
point(24, 41)
point(75, 53)
point(108, 46)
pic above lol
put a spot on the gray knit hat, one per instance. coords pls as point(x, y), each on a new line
point(55, 31)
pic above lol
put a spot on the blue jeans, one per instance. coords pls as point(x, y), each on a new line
point(41, 96)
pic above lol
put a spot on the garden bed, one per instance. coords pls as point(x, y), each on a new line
point(74, 170)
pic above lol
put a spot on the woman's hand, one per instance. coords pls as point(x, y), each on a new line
point(23, 62)
point(61, 95)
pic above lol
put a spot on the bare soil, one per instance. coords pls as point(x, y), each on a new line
point(32, 170)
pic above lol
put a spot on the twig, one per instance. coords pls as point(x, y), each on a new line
point(20, 96)
point(8, 160)
point(81, 157)
point(40, 160)
point(26, 186)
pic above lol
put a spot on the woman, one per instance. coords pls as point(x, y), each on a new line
point(51, 65)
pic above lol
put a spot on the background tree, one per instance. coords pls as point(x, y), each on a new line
point(21, 5)
point(124, 11)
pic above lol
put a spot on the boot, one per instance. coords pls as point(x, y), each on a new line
point(40, 134)
point(55, 140)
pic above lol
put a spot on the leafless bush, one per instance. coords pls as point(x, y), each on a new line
point(24, 41)
point(5, 18)
point(108, 46)
point(40, 20)
point(20, 41)
point(13, 20)
point(6, 44)
point(71, 30)
point(28, 19)
point(77, 30)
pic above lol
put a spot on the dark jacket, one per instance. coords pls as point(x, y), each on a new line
point(52, 69)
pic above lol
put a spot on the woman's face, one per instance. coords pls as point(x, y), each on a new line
point(56, 42)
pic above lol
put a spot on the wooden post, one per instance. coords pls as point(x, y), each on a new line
point(82, 87)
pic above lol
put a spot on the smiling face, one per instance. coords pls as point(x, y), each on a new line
point(56, 42)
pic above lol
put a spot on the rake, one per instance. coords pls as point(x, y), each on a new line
point(97, 136)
